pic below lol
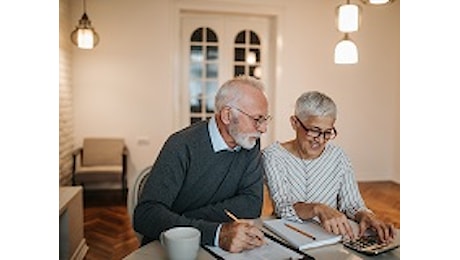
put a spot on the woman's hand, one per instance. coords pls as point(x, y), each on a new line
point(331, 219)
point(385, 231)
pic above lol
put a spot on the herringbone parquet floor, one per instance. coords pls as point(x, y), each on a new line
point(108, 230)
point(109, 233)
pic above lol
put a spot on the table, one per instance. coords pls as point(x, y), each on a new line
point(72, 244)
point(154, 250)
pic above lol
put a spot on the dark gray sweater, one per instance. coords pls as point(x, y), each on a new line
point(191, 185)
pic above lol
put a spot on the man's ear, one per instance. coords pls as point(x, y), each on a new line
point(225, 115)
point(293, 122)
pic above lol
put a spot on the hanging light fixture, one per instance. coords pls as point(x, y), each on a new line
point(251, 58)
point(84, 36)
point(346, 51)
point(378, 2)
point(348, 17)
point(258, 72)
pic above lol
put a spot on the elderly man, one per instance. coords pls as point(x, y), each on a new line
point(210, 167)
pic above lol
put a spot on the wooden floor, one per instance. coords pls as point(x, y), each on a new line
point(109, 233)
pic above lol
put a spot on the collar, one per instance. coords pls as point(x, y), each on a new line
point(217, 141)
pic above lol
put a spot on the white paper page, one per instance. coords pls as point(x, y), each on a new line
point(299, 240)
point(270, 251)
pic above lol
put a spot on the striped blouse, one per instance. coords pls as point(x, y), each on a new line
point(328, 179)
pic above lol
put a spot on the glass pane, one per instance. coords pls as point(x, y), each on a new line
point(197, 35)
point(195, 89)
point(203, 74)
point(196, 71)
point(211, 90)
point(196, 108)
point(196, 96)
point(239, 70)
point(251, 70)
point(257, 52)
point(196, 53)
point(254, 38)
point(211, 53)
point(211, 35)
point(209, 105)
point(239, 54)
point(240, 38)
point(211, 70)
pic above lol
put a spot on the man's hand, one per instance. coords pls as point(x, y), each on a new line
point(238, 236)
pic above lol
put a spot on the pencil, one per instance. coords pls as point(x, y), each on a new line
point(300, 231)
point(233, 217)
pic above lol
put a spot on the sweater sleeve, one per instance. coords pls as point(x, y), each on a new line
point(153, 213)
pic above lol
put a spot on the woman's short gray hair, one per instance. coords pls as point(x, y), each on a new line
point(314, 103)
point(228, 94)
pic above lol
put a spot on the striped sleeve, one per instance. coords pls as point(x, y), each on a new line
point(276, 174)
point(349, 199)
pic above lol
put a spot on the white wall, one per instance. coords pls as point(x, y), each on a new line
point(125, 86)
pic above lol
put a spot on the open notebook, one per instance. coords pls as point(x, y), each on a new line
point(367, 244)
point(300, 234)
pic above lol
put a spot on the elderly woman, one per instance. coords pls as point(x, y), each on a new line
point(310, 177)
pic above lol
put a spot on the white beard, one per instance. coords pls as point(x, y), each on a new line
point(247, 141)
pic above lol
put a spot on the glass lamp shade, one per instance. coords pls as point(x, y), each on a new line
point(348, 18)
point(84, 36)
point(346, 52)
point(251, 58)
point(378, 2)
point(258, 72)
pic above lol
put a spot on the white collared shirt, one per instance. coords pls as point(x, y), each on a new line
point(217, 141)
point(218, 144)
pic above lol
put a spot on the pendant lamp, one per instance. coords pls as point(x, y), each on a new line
point(377, 2)
point(251, 58)
point(348, 17)
point(346, 51)
point(84, 36)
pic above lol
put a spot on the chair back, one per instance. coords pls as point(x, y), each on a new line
point(102, 151)
point(135, 193)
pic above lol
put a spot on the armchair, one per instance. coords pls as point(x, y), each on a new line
point(100, 160)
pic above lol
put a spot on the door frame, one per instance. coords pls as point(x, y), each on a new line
point(275, 15)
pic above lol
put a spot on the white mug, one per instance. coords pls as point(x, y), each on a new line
point(181, 243)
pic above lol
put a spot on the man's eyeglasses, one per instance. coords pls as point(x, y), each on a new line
point(258, 121)
point(328, 134)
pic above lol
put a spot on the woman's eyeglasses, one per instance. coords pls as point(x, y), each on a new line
point(315, 133)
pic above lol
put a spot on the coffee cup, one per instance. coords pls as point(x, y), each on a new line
point(181, 243)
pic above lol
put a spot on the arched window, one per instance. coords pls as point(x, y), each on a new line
point(247, 54)
point(203, 74)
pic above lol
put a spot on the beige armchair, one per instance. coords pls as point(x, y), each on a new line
point(100, 160)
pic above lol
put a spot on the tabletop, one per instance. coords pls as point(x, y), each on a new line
point(154, 250)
